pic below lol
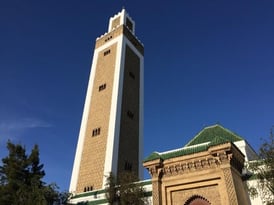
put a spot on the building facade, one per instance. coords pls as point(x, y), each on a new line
point(206, 171)
point(111, 133)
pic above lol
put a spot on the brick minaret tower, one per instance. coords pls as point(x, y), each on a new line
point(111, 133)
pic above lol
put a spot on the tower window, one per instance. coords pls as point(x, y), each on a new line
point(96, 131)
point(88, 188)
point(128, 166)
point(131, 74)
point(108, 38)
point(102, 87)
point(107, 52)
point(130, 114)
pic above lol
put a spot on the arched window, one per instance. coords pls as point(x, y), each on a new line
point(197, 200)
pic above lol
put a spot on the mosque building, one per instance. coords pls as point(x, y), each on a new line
point(207, 170)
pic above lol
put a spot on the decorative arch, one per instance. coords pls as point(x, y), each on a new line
point(197, 200)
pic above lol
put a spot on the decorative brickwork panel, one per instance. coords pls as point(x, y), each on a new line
point(210, 193)
point(230, 186)
point(94, 150)
point(197, 200)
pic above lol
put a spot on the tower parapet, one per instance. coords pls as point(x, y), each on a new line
point(122, 18)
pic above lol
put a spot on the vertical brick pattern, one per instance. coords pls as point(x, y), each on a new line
point(129, 128)
point(230, 186)
point(93, 155)
point(157, 192)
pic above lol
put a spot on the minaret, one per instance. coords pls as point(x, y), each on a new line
point(111, 132)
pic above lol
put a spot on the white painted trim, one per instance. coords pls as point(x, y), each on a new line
point(247, 150)
point(90, 198)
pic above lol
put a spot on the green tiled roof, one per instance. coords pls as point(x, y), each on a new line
point(209, 133)
point(153, 156)
point(186, 150)
point(218, 140)
point(208, 137)
point(103, 191)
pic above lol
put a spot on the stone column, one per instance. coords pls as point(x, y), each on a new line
point(156, 171)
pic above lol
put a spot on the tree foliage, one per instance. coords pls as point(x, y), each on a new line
point(126, 190)
point(111, 189)
point(21, 179)
point(263, 170)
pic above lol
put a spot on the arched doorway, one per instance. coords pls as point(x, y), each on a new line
point(197, 200)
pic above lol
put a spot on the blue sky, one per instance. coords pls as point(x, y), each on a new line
point(206, 62)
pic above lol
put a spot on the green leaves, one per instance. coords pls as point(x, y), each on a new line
point(111, 189)
point(263, 170)
point(21, 178)
point(125, 190)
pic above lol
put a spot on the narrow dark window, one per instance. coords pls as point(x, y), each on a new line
point(108, 38)
point(96, 131)
point(102, 87)
point(128, 166)
point(130, 114)
point(85, 189)
point(131, 74)
point(107, 52)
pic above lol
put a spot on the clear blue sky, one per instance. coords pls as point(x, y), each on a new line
point(205, 62)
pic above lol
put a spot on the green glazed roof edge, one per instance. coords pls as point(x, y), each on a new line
point(217, 140)
point(102, 191)
point(184, 152)
point(100, 201)
point(215, 130)
point(97, 202)
point(152, 156)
